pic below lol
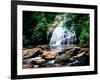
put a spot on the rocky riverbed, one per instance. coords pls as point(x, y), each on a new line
point(44, 56)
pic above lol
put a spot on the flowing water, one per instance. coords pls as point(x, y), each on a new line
point(62, 36)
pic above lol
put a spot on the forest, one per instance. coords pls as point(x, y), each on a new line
point(36, 26)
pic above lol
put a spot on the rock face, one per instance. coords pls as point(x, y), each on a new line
point(42, 56)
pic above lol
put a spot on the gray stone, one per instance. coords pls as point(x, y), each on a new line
point(36, 60)
point(29, 53)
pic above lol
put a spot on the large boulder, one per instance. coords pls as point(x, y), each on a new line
point(49, 55)
point(78, 55)
point(70, 50)
point(64, 58)
point(73, 55)
point(81, 61)
point(29, 53)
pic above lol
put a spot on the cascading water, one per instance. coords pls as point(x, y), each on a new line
point(62, 36)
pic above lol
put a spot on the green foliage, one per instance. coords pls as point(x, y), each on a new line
point(81, 27)
point(36, 24)
point(25, 41)
point(84, 35)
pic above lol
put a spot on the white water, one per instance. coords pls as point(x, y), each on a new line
point(62, 36)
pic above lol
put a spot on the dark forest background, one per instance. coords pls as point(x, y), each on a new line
point(36, 24)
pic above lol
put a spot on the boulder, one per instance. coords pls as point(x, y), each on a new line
point(29, 53)
point(79, 59)
point(36, 60)
point(75, 63)
point(35, 66)
point(43, 47)
point(56, 65)
point(85, 46)
point(79, 55)
point(39, 61)
point(49, 55)
point(63, 58)
point(86, 50)
point(60, 51)
point(25, 66)
point(73, 51)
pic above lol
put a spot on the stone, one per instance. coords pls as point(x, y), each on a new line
point(56, 65)
point(35, 66)
point(85, 46)
point(61, 51)
point(62, 58)
point(75, 63)
point(29, 53)
point(39, 61)
point(25, 66)
point(49, 55)
point(79, 55)
point(86, 50)
point(50, 62)
point(36, 60)
point(73, 51)
point(43, 47)
point(79, 59)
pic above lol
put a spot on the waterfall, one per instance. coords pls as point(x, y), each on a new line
point(62, 35)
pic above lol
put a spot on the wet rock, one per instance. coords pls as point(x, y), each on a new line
point(39, 61)
point(79, 60)
point(75, 63)
point(63, 58)
point(35, 66)
point(74, 51)
point(84, 50)
point(25, 66)
point(49, 55)
point(57, 65)
point(29, 47)
point(36, 60)
point(68, 49)
point(73, 58)
point(29, 53)
point(50, 62)
point(85, 46)
point(79, 55)
point(24, 48)
point(60, 51)
point(43, 47)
